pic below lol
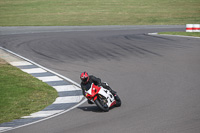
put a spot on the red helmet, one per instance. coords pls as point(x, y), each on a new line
point(84, 77)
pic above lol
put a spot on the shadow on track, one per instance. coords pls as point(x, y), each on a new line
point(93, 109)
point(90, 108)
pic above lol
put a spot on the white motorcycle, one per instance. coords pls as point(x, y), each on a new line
point(102, 97)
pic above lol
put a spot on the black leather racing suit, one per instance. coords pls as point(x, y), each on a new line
point(96, 81)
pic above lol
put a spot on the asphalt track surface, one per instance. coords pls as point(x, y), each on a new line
point(157, 77)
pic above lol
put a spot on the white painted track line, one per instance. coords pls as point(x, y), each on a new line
point(43, 113)
point(73, 82)
point(34, 70)
point(66, 88)
point(156, 34)
point(20, 63)
point(4, 128)
point(49, 78)
point(68, 99)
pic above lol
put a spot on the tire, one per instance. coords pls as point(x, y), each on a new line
point(118, 102)
point(100, 105)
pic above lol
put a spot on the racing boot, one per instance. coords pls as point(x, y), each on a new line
point(114, 93)
point(116, 97)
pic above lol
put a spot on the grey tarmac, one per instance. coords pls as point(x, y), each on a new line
point(157, 77)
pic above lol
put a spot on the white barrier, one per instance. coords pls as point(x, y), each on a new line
point(196, 28)
point(192, 27)
point(189, 27)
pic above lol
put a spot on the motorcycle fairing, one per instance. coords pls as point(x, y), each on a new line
point(91, 94)
point(110, 98)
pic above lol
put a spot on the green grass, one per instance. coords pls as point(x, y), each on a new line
point(21, 94)
point(98, 12)
point(196, 34)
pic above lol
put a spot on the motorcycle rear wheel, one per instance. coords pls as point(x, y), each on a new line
point(102, 106)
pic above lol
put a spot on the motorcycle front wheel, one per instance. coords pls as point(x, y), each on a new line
point(103, 106)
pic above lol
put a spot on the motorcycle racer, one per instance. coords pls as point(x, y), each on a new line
point(87, 80)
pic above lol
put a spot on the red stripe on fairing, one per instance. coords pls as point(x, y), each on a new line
point(95, 98)
point(113, 103)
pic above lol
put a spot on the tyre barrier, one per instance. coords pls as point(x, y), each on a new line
point(192, 27)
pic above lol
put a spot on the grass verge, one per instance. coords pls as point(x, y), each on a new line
point(196, 34)
point(21, 94)
point(98, 12)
